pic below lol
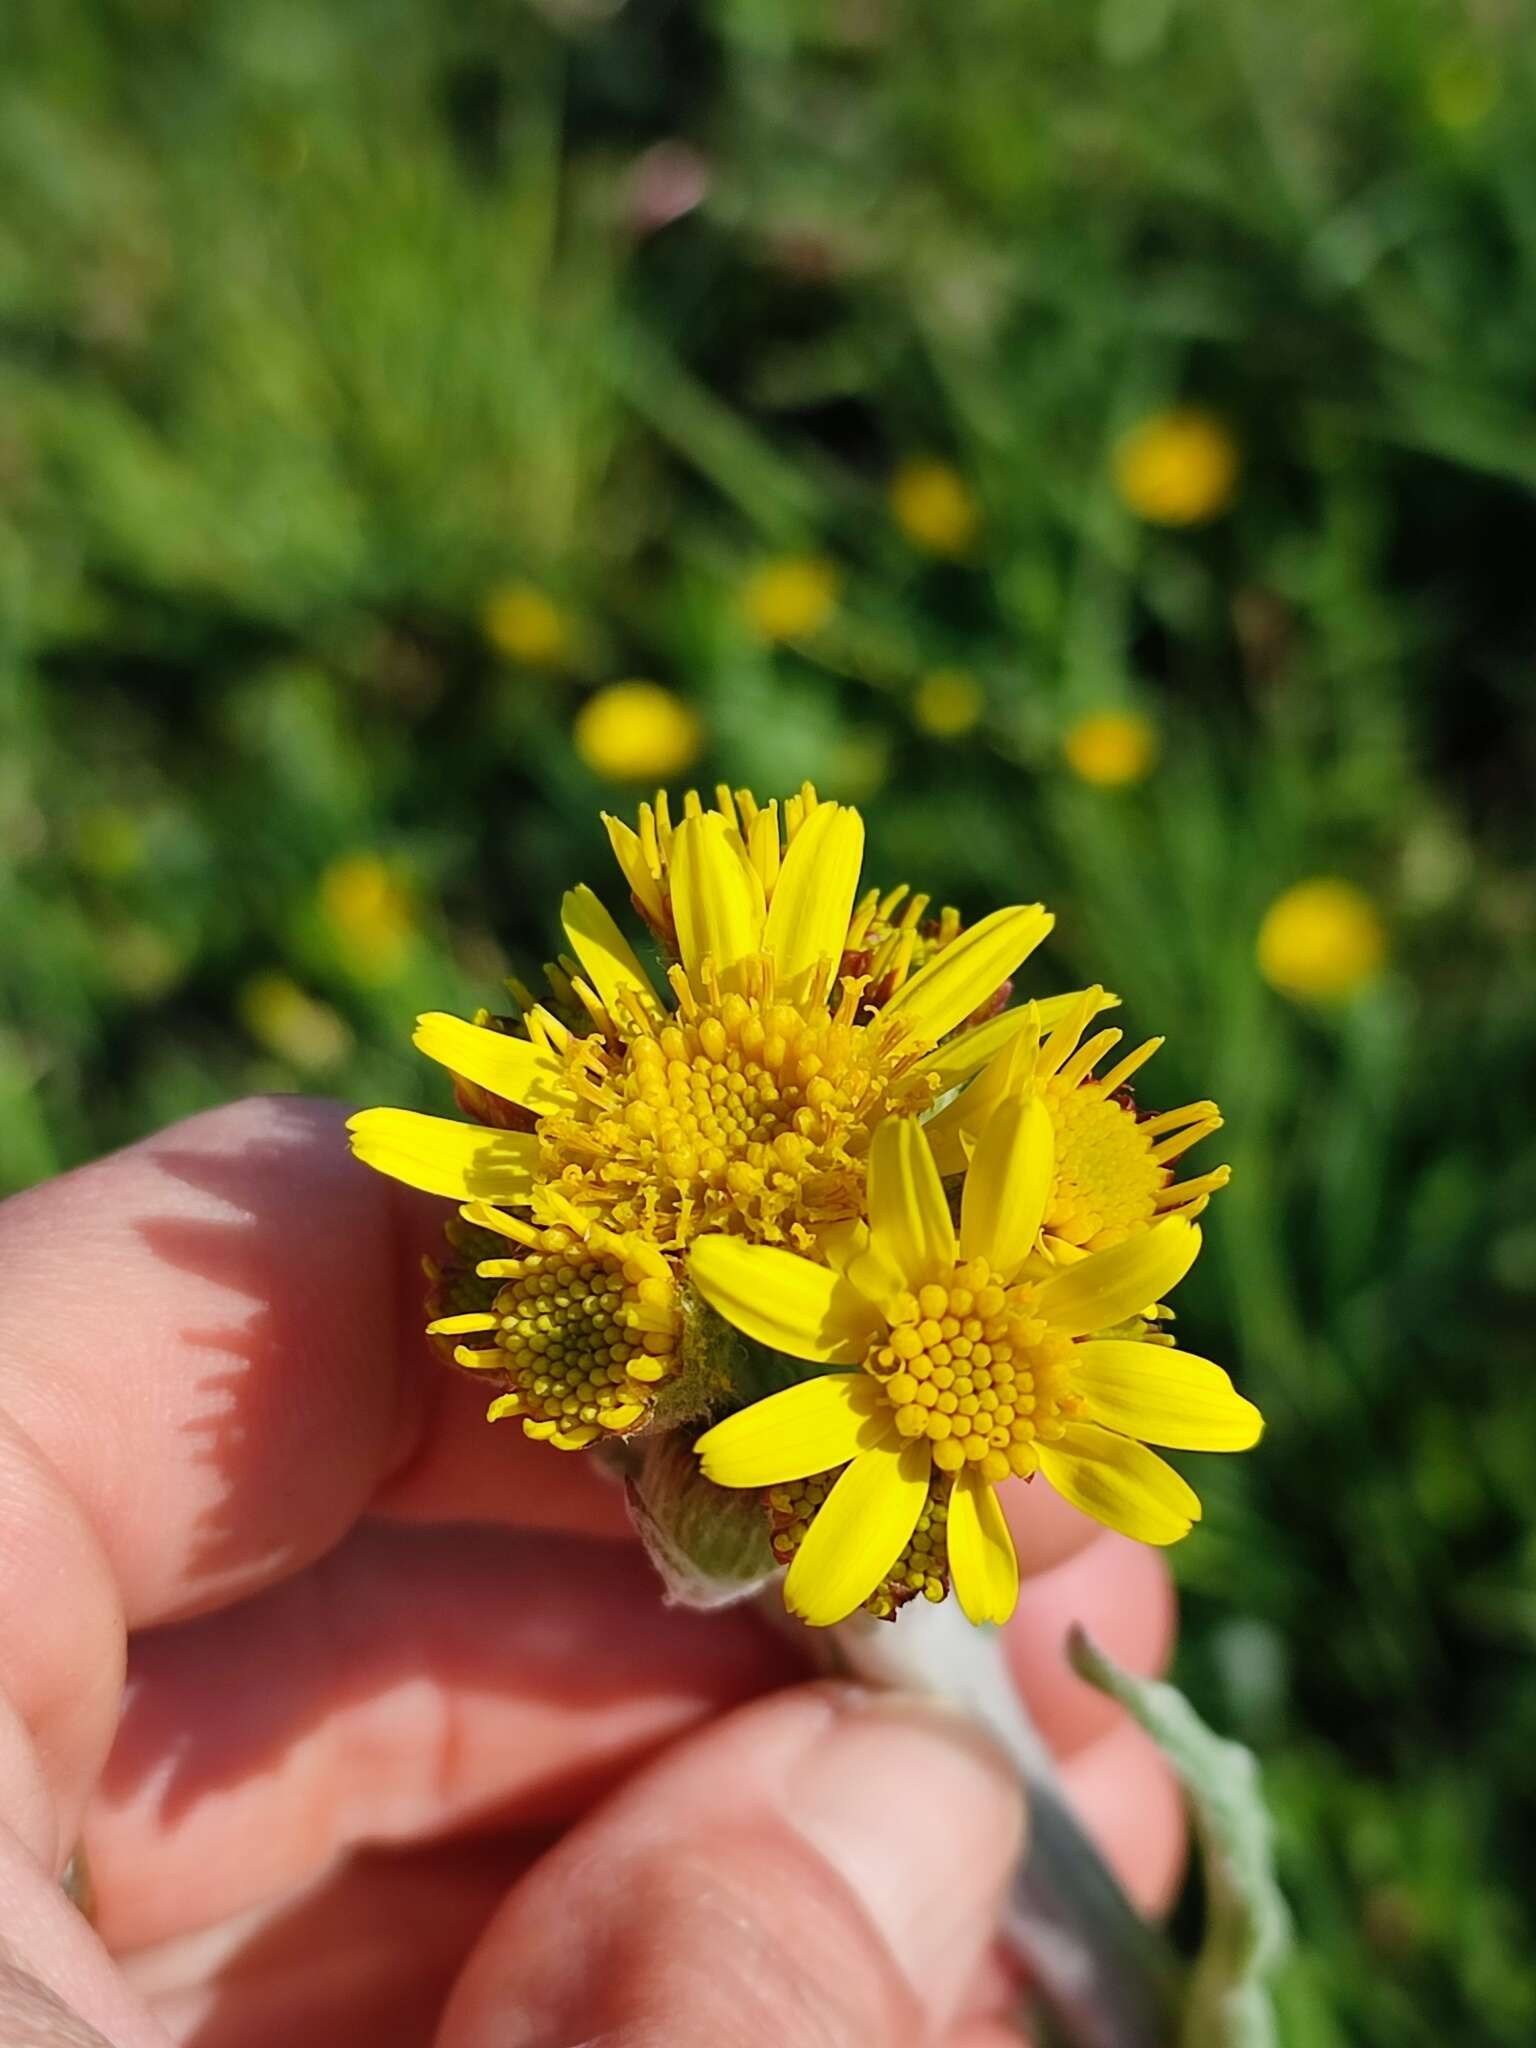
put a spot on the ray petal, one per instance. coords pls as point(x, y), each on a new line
point(813, 895)
point(813, 1427)
point(1121, 1484)
point(611, 963)
point(909, 1222)
point(859, 1531)
point(717, 895)
point(783, 1301)
point(629, 852)
point(968, 1051)
point(982, 1560)
point(464, 1161)
point(509, 1067)
point(1108, 1286)
point(969, 970)
point(1164, 1397)
point(1007, 1186)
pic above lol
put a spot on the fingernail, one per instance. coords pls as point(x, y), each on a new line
point(921, 1816)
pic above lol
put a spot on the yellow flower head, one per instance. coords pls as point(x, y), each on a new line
point(526, 626)
point(308, 1034)
point(889, 936)
point(1177, 468)
point(948, 703)
point(110, 841)
point(1321, 941)
point(1462, 88)
point(637, 732)
point(143, 961)
point(935, 507)
point(1114, 1162)
point(370, 915)
point(740, 1096)
point(1111, 749)
point(961, 1359)
point(581, 1324)
point(792, 597)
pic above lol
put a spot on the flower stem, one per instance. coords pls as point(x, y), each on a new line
point(1107, 1977)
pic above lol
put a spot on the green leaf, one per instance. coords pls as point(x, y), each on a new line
point(1227, 2001)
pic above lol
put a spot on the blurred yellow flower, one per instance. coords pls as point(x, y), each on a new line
point(637, 732)
point(370, 915)
point(525, 625)
point(109, 842)
point(934, 507)
point(1111, 749)
point(143, 962)
point(1321, 940)
point(1177, 468)
point(1462, 89)
point(948, 702)
point(791, 597)
point(860, 762)
point(291, 1025)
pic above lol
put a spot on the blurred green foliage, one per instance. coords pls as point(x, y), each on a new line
point(320, 325)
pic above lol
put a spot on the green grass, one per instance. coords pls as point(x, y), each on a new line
point(316, 325)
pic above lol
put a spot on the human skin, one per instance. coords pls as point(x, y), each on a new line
point(369, 1715)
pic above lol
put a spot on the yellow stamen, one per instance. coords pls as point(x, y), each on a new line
point(741, 1113)
point(583, 1327)
point(971, 1366)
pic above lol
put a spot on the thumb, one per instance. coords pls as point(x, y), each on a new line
point(823, 1867)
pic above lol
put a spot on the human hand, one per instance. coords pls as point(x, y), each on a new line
point(405, 1748)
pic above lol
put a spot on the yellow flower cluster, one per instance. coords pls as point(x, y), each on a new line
point(1110, 749)
point(791, 597)
point(948, 703)
point(369, 914)
point(636, 731)
point(823, 1123)
point(934, 507)
point(1177, 468)
point(1321, 941)
point(527, 626)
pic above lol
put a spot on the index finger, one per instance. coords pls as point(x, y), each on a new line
point(211, 1366)
point(215, 1338)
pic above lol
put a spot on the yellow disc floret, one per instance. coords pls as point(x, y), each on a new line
point(1114, 1161)
point(1321, 941)
point(1108, 1179)
point(739, 1113)
point(968, 1364)
point(583, 1328)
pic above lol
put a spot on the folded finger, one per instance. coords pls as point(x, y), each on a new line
point(61, 1651)
point(211, 1362)
point(465, 1469)
point(58, 1986)
point(215, 1337)
point(416, 1681)
point(824, 1868)
point(368, 1954)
